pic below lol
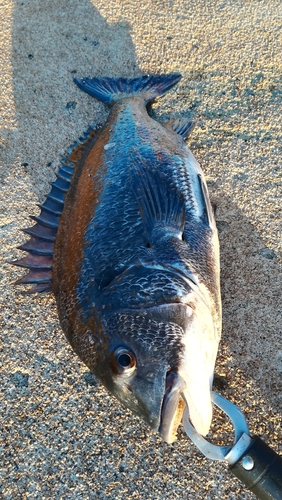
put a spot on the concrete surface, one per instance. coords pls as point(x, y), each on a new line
point(61, 435)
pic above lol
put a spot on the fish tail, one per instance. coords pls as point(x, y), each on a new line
point(109, 90)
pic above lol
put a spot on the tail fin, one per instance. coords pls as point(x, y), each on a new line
point(109, 90)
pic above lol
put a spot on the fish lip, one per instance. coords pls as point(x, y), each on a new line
point(172, 407)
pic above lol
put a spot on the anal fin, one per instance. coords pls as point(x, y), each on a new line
point(181, 126)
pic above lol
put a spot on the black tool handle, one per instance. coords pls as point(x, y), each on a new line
point(260, 469)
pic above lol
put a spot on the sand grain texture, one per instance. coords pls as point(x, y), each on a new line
point(61, 435)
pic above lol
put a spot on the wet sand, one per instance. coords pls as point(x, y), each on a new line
point(62, 436)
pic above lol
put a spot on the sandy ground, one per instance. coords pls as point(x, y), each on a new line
point(61, 435)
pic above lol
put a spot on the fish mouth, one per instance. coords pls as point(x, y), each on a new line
point(172, 407)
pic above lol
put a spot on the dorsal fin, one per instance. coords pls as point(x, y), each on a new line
point(43, 234)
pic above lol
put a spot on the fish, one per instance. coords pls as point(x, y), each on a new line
point(127, 242)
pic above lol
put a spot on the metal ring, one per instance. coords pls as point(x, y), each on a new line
point(208, 449)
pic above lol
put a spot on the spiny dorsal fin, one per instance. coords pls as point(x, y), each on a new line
point(161, 203)
point(43, 234)
point(39, 259)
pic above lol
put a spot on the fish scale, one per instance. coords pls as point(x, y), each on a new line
point(181, 177)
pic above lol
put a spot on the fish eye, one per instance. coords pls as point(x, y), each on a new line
point(123, 362)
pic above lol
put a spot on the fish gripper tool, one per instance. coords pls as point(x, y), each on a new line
point(250, 459)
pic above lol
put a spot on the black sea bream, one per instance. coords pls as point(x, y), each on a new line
point(127, 242)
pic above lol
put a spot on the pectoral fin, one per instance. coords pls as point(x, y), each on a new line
point(160, 202)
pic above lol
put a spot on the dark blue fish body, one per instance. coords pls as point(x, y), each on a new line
point(135, 269)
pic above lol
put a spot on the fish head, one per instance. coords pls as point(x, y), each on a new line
point(143, 345)
point(145, 365)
